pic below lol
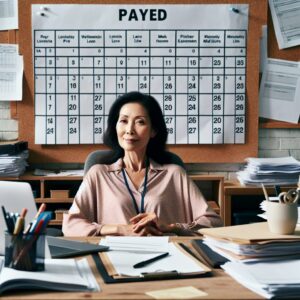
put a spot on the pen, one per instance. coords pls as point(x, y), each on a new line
point(149, 261)
point(20, 222)
point(8, 221)
point(41, 209)
point(265, 192)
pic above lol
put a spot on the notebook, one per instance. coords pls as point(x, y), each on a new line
point(60, 248)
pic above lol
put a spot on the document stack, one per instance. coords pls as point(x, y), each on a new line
point(270, 171)
point(264, 262)
point(13, 159)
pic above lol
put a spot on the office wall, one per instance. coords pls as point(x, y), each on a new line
point(272, 143)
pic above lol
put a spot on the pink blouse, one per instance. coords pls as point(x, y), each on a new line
point(103, 198)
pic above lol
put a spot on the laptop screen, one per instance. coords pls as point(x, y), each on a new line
point(15, 196)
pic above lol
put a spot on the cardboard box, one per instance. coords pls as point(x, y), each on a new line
point(62, 194)
point(59, 214)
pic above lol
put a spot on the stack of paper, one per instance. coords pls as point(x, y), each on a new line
point(278, 279)
point(59, 274)
point(251, 242)
point(270, 171)
point(13, 165)
point(264, 262)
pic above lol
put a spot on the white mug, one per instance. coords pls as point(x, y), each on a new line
point(282, 217)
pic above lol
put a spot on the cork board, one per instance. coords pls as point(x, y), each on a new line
point(189, 153)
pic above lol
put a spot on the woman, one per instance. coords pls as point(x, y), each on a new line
point(138, 194)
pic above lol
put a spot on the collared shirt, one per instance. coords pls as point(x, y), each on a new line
point(104, 199)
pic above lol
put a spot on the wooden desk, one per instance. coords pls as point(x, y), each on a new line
point(219, 286)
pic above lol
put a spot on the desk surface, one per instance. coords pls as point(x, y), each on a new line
point(219, 286)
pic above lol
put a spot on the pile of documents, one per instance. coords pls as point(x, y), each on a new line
point(262, 261)
point(270, 171)
point(13, 159)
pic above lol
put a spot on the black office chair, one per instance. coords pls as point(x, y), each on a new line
point(106, 157)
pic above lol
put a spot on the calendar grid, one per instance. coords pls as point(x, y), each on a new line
point(197, 76)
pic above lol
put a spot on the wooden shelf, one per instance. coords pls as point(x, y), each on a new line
point(42, 186)
point(267, 123)
point(53, 200)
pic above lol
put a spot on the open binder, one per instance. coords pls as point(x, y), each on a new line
point(110, 275)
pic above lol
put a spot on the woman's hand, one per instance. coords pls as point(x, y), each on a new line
point(128, 230)
point(142, 221)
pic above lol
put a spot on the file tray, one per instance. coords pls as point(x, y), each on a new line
point(106, 269)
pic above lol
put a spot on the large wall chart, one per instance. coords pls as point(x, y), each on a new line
point(191, 58)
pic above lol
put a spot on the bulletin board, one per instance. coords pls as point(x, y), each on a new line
point(191, 153)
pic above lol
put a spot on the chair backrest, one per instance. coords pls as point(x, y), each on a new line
point(106, 157)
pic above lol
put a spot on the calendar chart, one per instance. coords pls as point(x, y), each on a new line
point(85, 56)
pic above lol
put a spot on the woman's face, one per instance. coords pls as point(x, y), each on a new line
point(134, 128)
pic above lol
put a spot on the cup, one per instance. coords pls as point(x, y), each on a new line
point(25, 252)
point(282, 217)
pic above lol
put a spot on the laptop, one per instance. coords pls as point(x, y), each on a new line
point(14, 196)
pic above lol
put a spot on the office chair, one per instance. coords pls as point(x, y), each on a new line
point(106, 157)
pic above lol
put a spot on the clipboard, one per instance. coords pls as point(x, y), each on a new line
point(107, 271)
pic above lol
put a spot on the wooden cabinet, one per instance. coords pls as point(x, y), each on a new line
point(58, 191)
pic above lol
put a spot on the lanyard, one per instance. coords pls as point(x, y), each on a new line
point(142, 210)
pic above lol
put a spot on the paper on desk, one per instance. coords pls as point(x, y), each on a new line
point(11, 73)
point(279, 95)
point(9, 14)
point(177, 260)
point(286, 20)
point(269, 279)
point(151, 244)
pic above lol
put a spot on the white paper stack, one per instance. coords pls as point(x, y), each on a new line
point(270, 171)
point(265, 262)
point(278, 279)
point(13, 165)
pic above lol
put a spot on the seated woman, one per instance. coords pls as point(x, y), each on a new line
point(138, 194)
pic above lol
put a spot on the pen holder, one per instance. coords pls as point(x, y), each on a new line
point(25, 252)
point(282, 217)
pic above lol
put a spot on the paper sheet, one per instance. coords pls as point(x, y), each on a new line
point(279, 96)
point(8, 14)
point(286, 20)
point(11, 73)
point(177, 260)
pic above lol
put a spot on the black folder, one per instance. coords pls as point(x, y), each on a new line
point(213, 258)
point(61, 248)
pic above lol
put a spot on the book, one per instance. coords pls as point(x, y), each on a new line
point(59, 274)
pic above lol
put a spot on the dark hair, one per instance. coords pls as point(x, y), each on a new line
point(156, 145)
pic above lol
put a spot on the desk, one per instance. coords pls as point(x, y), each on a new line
point(219, 286)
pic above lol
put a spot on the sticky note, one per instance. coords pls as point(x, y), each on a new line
point(185, 292)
